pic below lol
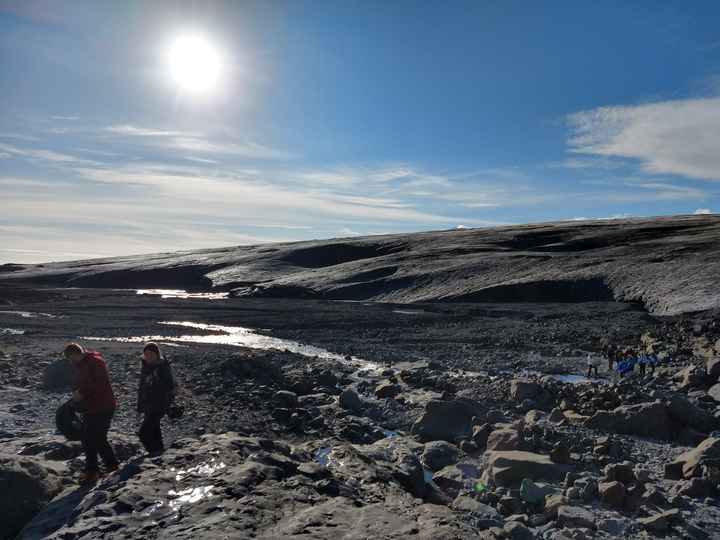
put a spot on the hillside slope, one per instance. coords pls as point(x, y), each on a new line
point(671, 265)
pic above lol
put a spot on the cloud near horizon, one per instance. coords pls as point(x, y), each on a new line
point(678, 137)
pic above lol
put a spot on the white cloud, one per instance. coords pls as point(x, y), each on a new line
point(702, 211)
point(137, 131)
point(66, 118)
point(190, 141)
point(40, 154)
point(671, 137)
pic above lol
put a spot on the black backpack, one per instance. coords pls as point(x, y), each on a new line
point(68, 421)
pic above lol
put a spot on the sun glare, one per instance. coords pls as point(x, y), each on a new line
point(194, 63)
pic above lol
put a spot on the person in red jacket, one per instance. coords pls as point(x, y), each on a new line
point(94, 398)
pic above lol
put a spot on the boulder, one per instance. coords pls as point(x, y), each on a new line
point(686, 413)
point(27, 485)
point(714, 392)
point(522, 389)
point(612, 493)
point(350, 400)
point(574, 517)
point(534, 416)
point(659, 523)
point(644, 419)
point(387, 389)
point(285, 398)
point(58, 376)
point(486, 515)
point(514, 530)
point(439, 454)
point(533, 493)
point(446, 420)
point(456, 478)
point(504, 439)
point(560, 453)
point(507, 468)
point(480, 435)
point(713, 368)
point(691, 377)
point(552, 503)
point(695, 488)
point(622, 472)
point(692, 460)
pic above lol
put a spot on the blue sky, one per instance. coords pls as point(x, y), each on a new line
point(336, 119)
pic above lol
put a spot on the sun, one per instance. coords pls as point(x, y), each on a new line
point(195, 64)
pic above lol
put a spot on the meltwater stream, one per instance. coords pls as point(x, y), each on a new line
point(240, 336)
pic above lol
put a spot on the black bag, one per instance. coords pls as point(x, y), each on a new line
point(175, 411)
point(68, 421)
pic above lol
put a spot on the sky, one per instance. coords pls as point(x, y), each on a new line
point(145, 126)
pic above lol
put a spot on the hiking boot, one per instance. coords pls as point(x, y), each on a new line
point(89, 478)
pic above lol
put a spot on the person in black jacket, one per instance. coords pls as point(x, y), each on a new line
point(155, 395)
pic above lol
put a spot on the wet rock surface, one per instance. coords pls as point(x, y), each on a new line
point(457, 423)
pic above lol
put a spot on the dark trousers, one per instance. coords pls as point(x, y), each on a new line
point(150, 432)
point(94, 440)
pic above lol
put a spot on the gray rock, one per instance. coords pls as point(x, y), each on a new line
point(659, 523)
point(446, 420)
point(690, 463)
point(485, 515)
point(387, 389)
point(612, 493)
point(26, 486)
point(504, 439)
point(522, 389)
point(644, 419)
point(713, 368)
point(511, 467)
point(533, 493)
point(517, 531)
point(58, 375)
point(350, 401)
point(439, 454)
point(575, 517)
point(285, 398)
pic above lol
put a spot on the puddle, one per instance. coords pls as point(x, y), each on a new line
point(11, 331)
point(322, 456)
point(180, 293)
point(29, 314)
point(573, 379)
point(204, 469)
point(189, 496)
point(239, 336)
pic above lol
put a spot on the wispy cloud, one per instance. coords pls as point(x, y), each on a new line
point(678, 137)
point(138, 131)
point(40, 154)
point(65, 118)
point(198, 143)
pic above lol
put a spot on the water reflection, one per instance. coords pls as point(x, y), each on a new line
point(180, 293)
point(29, 314)
point(189, 496)
point(11, 331)
point(240, 336)
point(205, 469)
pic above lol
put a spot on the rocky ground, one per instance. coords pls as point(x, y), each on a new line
point(433, 421)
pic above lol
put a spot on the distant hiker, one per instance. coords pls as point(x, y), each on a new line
point(155, 395)
point(95, 400)
point(642, 362)
point(592, 365)
point(611, 351)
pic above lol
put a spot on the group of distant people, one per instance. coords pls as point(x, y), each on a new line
point(625, 360)
point(94, 400)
